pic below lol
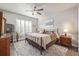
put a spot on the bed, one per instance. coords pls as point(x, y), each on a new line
point(41, 41)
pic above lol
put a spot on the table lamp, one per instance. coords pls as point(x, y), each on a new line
point(65, 32)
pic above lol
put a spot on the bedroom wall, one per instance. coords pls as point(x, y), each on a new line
point(11, 19)
point(78, 28)
point(68, 19)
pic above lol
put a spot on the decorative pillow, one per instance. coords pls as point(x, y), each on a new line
point(53, 36)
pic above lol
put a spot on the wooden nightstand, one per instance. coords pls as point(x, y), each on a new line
point(66, 41)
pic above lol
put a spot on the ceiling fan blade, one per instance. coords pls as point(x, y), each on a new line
point(38, 13)
point(34, 6)
point(40, 9)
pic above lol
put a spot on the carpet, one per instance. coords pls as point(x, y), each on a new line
point(22, 48)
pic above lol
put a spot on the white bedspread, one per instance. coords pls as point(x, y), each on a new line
point(36, 37)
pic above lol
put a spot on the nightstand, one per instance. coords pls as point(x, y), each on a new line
point(66, 41)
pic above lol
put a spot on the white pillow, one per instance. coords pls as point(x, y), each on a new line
point(40, 32)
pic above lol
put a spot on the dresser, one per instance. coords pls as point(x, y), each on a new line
point(4, 46)
point(4, 39)
point(66, 41)
point(1, 15)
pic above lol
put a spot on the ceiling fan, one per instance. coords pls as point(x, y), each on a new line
point(35, 11)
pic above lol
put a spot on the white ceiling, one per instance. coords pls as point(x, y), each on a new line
point(49, 8)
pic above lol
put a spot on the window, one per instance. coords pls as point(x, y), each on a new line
point(30, 26)
point(23, 27)
point(18, 26)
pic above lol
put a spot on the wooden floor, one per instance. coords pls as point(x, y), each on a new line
point(22, 48)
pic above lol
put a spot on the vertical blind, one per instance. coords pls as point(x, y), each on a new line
point(23, 26)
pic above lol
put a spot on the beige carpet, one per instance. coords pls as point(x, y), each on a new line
point(24, 49)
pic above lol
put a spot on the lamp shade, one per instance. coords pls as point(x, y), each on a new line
point(65, 30)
